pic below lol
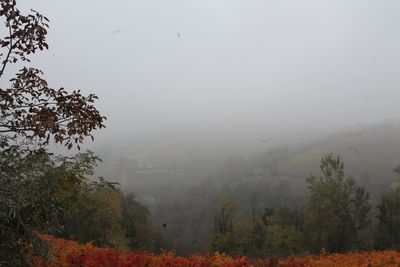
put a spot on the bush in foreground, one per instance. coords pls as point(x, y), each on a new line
point(70, 253)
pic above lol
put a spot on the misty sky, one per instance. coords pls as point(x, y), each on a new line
point(191, 70)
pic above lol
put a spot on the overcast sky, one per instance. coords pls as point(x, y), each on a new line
point(213, 68)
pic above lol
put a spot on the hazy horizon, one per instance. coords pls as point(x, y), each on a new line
point(185, 74)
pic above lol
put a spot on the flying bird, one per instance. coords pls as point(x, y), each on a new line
point(397, 170)
point(355, 150)
point(265, 140)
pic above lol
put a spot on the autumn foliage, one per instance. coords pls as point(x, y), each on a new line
point(71, 253)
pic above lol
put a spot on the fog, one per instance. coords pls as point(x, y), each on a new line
point(248, 128)
point(190, 78)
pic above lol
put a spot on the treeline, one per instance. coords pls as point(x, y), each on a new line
point(337, 217)
point(59, 199)
point(253, 183)
point(254, 186)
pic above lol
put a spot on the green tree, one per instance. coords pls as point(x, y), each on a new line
point(139, 230)
point(95, 215)
point(25, 194)
point(268, 236)
point(337, 209)
point(224, 239)
point(387, 233)
point(34, 192)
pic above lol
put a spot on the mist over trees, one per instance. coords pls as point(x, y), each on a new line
point(232, 186)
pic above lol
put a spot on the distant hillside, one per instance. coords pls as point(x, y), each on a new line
point(369, 157)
